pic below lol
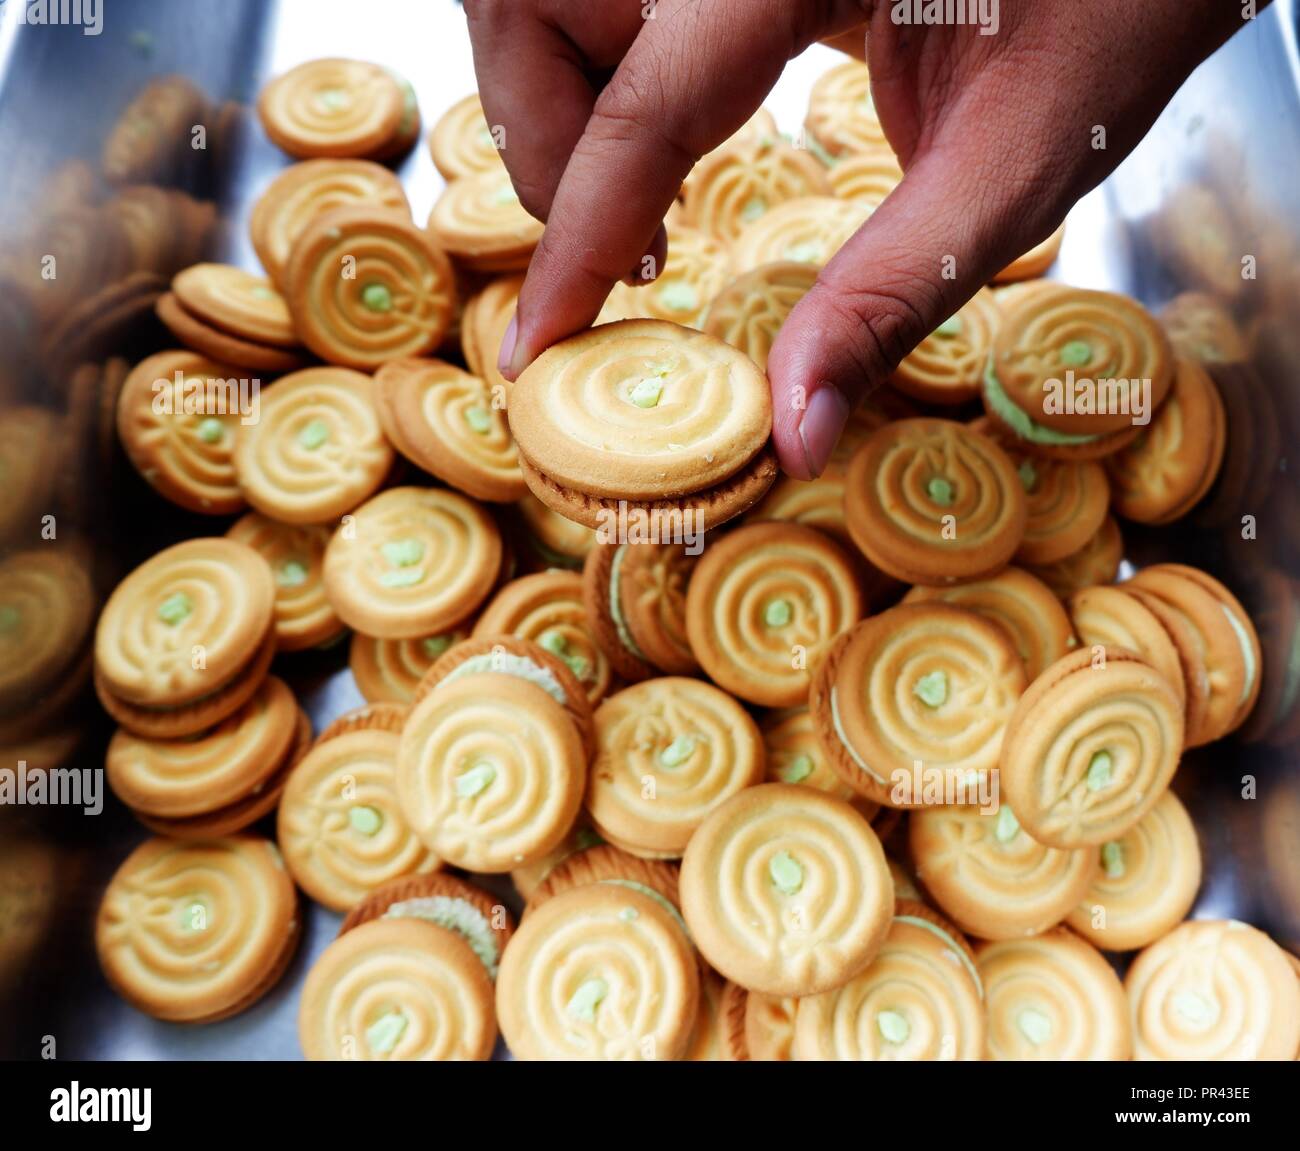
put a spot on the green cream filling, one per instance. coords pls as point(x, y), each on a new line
point(385, 1032)
point(893, 1027)
point(479, 420)
point(1075, 354)
point(785, 872)
point(403, 577)
point(616, 605)
point(1195, 1008)
point(1034, 1026)
point(953, 946)
point(313, 434)
point(211, 430)
point(507, 663)
point(1112, 859)
point(365, 820)
point(778, 613)
point(952, 326)
point(10, 618)
point(1007, 826)
point(1247, 653)
point(940, 490)
point(475, 780)
point(403, 553)
point(458, 915)
point(555, 642)
point(291, 573)
point(377, 298)
point(679, 297)
point(844, 739)
point(505, 194)
point(932, 689)
point(753, 208)
point(1100, 770)
point(583, 1003)
point(175, 609)
point(678, 752)
point(1028, 475)
point(434, 645)
point(335, 99)
point(797, 770)
point(646, 393)
point(809, 252)
point(194, 915)
point(1018, 420)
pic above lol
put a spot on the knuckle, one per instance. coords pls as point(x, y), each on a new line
point(884, 324)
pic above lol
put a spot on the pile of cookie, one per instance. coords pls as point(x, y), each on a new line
point(750, 810)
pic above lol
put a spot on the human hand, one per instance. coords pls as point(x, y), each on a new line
point(609, 103)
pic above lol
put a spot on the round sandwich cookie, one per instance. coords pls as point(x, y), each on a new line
point(947, 367)
point(604, 863)
point(732, 187)
point(1053, 997)
point(786, 890)
point(1035, 262)
point(483, 327)
point(236, 301)
point(647, 419)
point(1091, 748)
point(1009, 295)
point(1074, 372)
point(1211, 990)
point(528, 878)
point(196, 932)
point(635, 596)
point(749, 311)
point(553, 540)
point(462, 143)
point(600, 972)
point(511, 655)
point(337, 108)
point(1225, 643)
point(990, 877)
point(490, 771)
point(932, 502)
point(477, 916)
point(390, 717)
point(115, 317)
point(480, 222)
point(911, 705)
point(710, 1041)
point(242, 757)
point(398, 301)
point(218, 344)
point(296, 554)
point(1022, 604)
point(302, 192)
point(1066, 505)
point(1111, 617)
point(794, 755)
point(397, 989)
point(1147, 882)
point(1170, 467)
point(447, 422)
point(1094, 564)
point(1201, 327)
point(339, 825)
point(768, 1027)
point(185, 638)
point(842, 116)
point(696, 270)
point(809, 230)
point(548, 609)
point(389, 670)
point(412, 562)
point(668, 752)
point(919, 999)
point(182, 451)
point(317, 449)
point(764, 604)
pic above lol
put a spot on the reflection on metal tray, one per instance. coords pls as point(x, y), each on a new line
point(1219, 168)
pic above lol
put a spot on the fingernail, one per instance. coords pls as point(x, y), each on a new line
point(821, 426)
point(506, 356)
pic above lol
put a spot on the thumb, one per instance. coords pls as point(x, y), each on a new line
point(928, 248)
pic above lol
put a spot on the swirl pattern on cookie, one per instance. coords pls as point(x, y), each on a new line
point(923, 683)
point(1020, 603)
point(1214, 989)
point(236, 301)
point(340, 827)
point(598, 973)
point(397, 989)
point(732, 187)
point(47, 606)
point(695, 271)
point(992, 878)
point(1053, 997)
point(1147, 881)
point(296, 553)
point(317, 450)
point(185, 449)
point(389, 670)
point(841, 113)
point(190, 931)
point(669, 751)
point(809, 230)
point(786, 890)
point(868, 177)
point(332, 107)
point(479, 220)
point(640, 409)
point(490, 772)
point(919, 999)
point(365, 285)
point(210, 594)
point(177, 778)
point(932, 502)
point(1111, 618)
point(1094, 335)
point(1097, 562)
point(762, 606)
point(748, 312)
point(947, 367)
point(304, 191)
point(450, 424)
point(461, 141)
point(412, 562)
point(652, 583)
point(1090, 749)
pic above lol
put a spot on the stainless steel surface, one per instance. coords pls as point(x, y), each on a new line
point(1234, 130)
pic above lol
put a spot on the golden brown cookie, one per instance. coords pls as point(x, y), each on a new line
point(220, 345)
point(748, 312)
point(1111, 617)
point(604, 863)
point(479, 221)
point(1035, 262)
point(697, 268)
point(795, 756)
point(462, 143)
point(1097, 562)
point(947, 367)
point(809, 230)
point(867, 177)
point(842, 116)
point(1066, 503)
point(389, 670)
point(236, 301)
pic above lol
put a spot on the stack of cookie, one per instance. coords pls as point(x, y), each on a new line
point(751, 804)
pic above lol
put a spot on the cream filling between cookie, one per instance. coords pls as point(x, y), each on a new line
point(458, 915)
point(1018, 420)
point(950, 942)
point(844, 739)
point(1247, 653)
point(507, 663)
point(616, 605)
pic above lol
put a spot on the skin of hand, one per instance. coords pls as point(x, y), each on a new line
point(607, 104)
